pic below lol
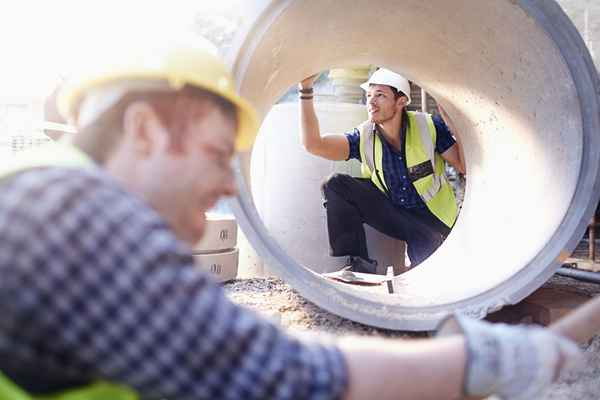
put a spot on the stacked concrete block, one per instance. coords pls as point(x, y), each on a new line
point(217, 252)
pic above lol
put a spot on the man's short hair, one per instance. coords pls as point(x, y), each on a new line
point(397, 93)
point(174, 109)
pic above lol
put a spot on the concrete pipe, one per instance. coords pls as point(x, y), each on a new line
point(517, 80)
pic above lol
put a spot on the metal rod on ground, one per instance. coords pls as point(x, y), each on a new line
point(588, 276)
point(390, 279)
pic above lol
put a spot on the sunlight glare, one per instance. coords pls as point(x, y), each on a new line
point(42, 41)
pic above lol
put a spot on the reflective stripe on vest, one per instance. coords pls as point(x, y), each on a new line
point(433, 188)
point(369, 154)
point(427, 143)
point(421, 118)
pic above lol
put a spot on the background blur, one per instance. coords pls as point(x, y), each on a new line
point(42, 43)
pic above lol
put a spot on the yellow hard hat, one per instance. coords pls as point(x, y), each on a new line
point(177, 63)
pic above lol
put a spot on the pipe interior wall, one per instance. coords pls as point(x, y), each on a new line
point(521, 88)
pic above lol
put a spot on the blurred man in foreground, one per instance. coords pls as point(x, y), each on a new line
point(99, 283)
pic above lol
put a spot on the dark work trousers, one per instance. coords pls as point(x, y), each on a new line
point(350, 202)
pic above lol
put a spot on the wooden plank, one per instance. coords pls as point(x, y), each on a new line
point(356, 278)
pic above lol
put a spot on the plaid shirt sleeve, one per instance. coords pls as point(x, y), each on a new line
point(94, 285)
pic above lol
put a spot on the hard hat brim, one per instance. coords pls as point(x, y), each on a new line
point(247, 124)
point(365, 87)
point(72, 93)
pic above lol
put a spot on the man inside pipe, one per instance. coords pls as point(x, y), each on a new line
point(98, 281)
point(403, 191)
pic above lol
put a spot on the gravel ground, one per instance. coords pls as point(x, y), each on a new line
point(280, 302)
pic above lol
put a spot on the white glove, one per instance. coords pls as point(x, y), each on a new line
point(513, 362)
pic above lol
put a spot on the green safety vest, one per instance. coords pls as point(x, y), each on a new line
point(96, 391)
point(432, 185)
point(57, 155)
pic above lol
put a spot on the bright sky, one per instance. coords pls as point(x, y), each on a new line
point(40, 40)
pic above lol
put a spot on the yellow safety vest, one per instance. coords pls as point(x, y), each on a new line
point(433, 188)
point(55, 155)
point(96, 391)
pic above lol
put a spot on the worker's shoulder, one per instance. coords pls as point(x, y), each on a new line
point(69, 198)
point(364, 126)
point(417, 113)
point(60, 178)
point(42, 190)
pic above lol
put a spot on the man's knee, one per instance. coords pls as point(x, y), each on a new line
point(333, 182)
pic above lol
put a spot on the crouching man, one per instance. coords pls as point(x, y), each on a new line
point(404, 192)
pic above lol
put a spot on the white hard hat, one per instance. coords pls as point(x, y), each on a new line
point(386, 77)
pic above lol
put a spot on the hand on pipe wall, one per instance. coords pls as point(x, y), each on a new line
point(512, 361)
point(308, 82)
point(472, 358)
point(578, 326)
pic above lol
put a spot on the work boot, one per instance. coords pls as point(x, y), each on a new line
point(359, 264)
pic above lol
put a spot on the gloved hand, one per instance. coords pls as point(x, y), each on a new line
point(514, 362)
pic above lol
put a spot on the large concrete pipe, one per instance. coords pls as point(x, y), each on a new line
point(518, 82)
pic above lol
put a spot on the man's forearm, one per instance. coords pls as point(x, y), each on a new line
point(459, 161)
point(330, 147)
point(309, 125)
point(416, 369)
point(461, 156)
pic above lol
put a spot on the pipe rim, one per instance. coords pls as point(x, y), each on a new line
point(559, 28)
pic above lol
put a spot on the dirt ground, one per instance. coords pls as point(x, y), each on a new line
point(278, 301)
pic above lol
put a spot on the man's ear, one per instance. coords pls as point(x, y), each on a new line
point(143, 129)
point(402, 101)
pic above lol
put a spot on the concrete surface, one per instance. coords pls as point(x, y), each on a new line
point(522, 91)
point(585, 14)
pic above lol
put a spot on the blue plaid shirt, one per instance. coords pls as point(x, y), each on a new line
point(395, 173)
point(95, 286)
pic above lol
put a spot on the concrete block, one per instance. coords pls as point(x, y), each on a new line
point(220, 234)
point(223, 265)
